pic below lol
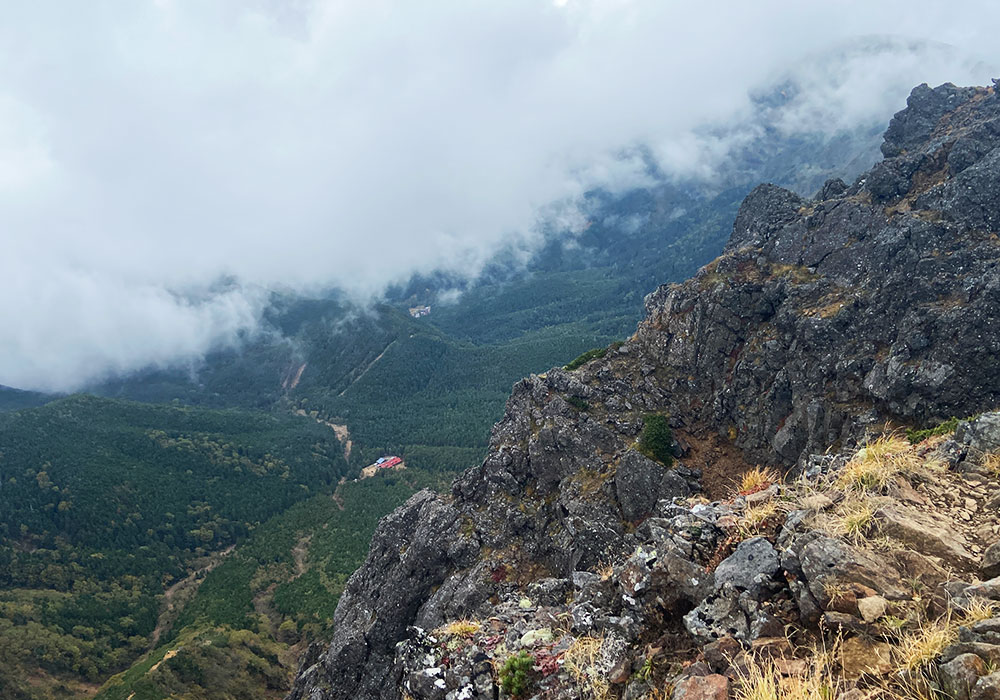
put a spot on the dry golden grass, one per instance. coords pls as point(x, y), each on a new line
point(461, 628)
point(924, 644)
point(758, 479)
point(756, 517)
point(580, 661)
point(606, 571)
point(759, 680)
point(856, 519)
point(979, 610)
point(876, 464)
point(992, 463)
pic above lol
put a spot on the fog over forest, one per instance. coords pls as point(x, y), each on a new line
point(166, 163)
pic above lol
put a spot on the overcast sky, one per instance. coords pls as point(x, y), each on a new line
point(150, 147)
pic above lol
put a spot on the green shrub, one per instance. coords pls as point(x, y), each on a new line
point(586, 357)
point(915, 436)
point(514, 673)
point(577, 403)
point(657, 439)
point(595, 354)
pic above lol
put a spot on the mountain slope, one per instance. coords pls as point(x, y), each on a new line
point(822, 320)
point(437, 383)
point(104, 504)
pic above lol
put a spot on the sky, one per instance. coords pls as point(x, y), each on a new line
point(152, 149)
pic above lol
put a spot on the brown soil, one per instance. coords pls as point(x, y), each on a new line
point(337, 498)
point(292, 377)
point(176, 595)
point(262, 602)
point(721, 463)
point(367, 367)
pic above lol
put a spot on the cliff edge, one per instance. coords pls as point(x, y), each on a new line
point(571, 563)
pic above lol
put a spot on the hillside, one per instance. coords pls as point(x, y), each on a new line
point(105, 504)
point(580, 559)
point(430, 388)
point(239, 630)
point(150, 531)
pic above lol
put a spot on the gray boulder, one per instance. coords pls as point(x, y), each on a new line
point(959, 676)
point(990, 567)
point(987, 688)
point(754, 562)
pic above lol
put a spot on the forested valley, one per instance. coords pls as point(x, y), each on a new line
point(192, 527)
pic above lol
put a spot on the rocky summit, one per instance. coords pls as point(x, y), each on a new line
point(861, 560)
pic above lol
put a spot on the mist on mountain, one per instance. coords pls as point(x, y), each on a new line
point(153, 149)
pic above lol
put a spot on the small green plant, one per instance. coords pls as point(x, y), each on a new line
point(586, 357)
point(594, 354)
point(949, 426)
point(646, 671)
point(514, 674)
point(657, 439)
point(578, 403)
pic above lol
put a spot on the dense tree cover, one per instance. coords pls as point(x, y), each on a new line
point(15, 399)
point(216, 662)
point(442, 380)
point(103, 503)
point(395, 381)
point(107, 502)
point(430, 391)
point(277, 589)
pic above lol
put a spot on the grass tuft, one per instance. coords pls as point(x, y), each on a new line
point(755, 518)
point(856, 519)
point(979, 610)
point(924, 644)
point(461, 628)
point(876, 464)
point(757, 479)
point(992, 463)
point(606, 571)
point(580, 661)
point(760, 680)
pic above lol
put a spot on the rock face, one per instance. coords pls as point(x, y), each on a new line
point(824, 315)
point(822, 319)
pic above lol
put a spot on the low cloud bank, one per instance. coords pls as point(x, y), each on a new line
point(149, 149)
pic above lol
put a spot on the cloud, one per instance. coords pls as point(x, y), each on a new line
point(150, 148)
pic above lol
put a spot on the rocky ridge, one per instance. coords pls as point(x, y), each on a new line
point(575, 560)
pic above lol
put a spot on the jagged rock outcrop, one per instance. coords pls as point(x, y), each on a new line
point(823, 320)
point(875, 303)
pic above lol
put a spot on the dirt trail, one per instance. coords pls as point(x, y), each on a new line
point(262, 602)
point(179, 593)
point(299, 552)
point(166, 657)
point(337, 498)
point(292, 379)
point(341, 431)
point(368, 367)
point(343, 435)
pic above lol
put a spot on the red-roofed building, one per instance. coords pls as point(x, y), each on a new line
point(390, 462)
